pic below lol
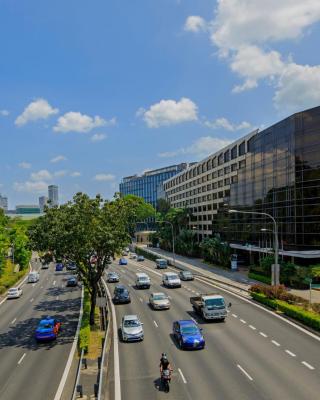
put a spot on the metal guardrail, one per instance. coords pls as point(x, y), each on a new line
point(75, 389)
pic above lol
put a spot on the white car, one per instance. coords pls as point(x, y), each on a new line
point(133, 256)
point(14, 293)
point(171, 279)
point(159, 301)
point(33, 277)
point(131, 328)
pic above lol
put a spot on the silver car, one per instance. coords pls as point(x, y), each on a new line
point(112, 277)
point(159, 301)
point(14, 293)
point(131, 328)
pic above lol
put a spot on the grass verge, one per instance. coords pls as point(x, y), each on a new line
point(260, 278)
point(8, 277)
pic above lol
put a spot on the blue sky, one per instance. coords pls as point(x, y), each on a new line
point(92, 91)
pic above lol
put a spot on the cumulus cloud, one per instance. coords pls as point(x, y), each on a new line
point(98, 137)
point(24, 165)
point(194, 23)
point(38, 109)
point(31, 187)
point(244, 32)
point(75, 174)
point(104, 177)
point(77, 122)
point(41, 175)
point(201, 148)
point(224, 123)
point(169, 112)
point(58, 158)
point(4, 113)
point(60, 174)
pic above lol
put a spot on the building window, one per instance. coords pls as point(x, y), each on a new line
point(214, 162)
point(220, 172)
point(227, 156)
point(242, 164)
point(220, 183)
point(227, 170)
point(220, 159)
point(227, 181)
point(234, 179)
point(234, 152)
point(234, 167)
point(242, 149)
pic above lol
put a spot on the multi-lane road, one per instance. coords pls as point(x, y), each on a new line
point(253, 355)
point(28, 370)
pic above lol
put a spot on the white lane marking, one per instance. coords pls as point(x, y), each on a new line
point(235, 315)
point(182, 376)
point(156, 325)
point(169, 297)
point(197, 293)
point(252, 327)
point(307, 365)
point(263, 334)
point(31, 300)
point(41, 287)
point(245, 372)
point(228, 311)
point(54, 282)
point(193, 291)
point(243, 321)
point(2, 301)
point(33, 285)
point(21, 359)
point(290, 353)
point(57, 298)
point(13, 321)
point(275, 343)
point(141, 300)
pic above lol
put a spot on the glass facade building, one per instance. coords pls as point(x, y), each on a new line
point(148, 185)
point(281, 178)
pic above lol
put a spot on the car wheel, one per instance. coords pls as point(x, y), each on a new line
point(222, 319)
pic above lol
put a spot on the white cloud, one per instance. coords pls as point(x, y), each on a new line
point(298, 88)
point(77, 122)
point(41, 175)
point(75, 174)
point(201, 148)
point(38, 109)
point(169, 112)
point(60, 174)
point(58, 158)
point(224, 123)
point(194, 23)
point(4, 113)
point(98, 137)
point(31, 187)
point(104, 177)
point(24, 165)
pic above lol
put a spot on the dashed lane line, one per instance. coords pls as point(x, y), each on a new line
point(307, 365)
point(13, 321)
point(234, 315)
point(54, 282)
point(252, 327)
point(182, 376)
point(275, 343)
point(21, 359)
point(245, 372)
point(243, 321)
point(156, 325)
point(290, 353)
point(263, 334)
point(31, 300)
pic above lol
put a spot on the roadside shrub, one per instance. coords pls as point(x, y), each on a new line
point(146, 254)
point(261, 278)
point(84, 335)
point(2, 289)
point(84, 338)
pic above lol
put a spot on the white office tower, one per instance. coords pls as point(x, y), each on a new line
point(43, 201)
point(4, 203)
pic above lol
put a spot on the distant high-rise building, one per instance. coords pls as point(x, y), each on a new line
point(43, 201)
point(27, 209)
point(4, 203)
point(53, 195)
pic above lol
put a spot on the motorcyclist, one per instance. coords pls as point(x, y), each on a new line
point(164, 364)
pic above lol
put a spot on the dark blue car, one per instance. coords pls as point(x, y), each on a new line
point(48, 329)
point(123, 261)
point(188, 334)
point(59, 267)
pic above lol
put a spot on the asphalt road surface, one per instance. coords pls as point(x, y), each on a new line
point(253, 355)
point(28, 370)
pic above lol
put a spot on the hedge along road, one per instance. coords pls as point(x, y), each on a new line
point(29, 370)
point(253, 355)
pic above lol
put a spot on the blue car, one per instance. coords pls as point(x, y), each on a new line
point(59, 267)
point(188, 334)
point(123, 261)
point(48, 329)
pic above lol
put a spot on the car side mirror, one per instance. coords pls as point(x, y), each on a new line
point(230, 304)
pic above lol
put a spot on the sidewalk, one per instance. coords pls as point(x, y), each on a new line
point(235, 278)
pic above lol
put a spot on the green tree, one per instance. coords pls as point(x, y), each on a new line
point(87, 231)
point(215, 250)
point(137, 210)
point(163, 206)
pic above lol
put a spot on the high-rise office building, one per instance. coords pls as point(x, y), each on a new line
point(4, 203)
point(274, 171)
point(53, 196)
point(43, 201)
point(148, 184)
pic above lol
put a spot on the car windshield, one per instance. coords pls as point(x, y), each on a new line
point(187, 273)
point(131, 323)
point(160, 297)
point(121, 291)
point(13, 290)
point(46, 325)
point(189, 330)
point(213, 303)
point(144, 279)
point(171, 277)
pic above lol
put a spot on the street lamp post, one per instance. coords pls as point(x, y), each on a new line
point(275, 266)
point(173, 252)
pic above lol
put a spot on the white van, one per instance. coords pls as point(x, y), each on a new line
point(171, 279)
point(142, 281)
point(33, 277)
point(161, 263)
